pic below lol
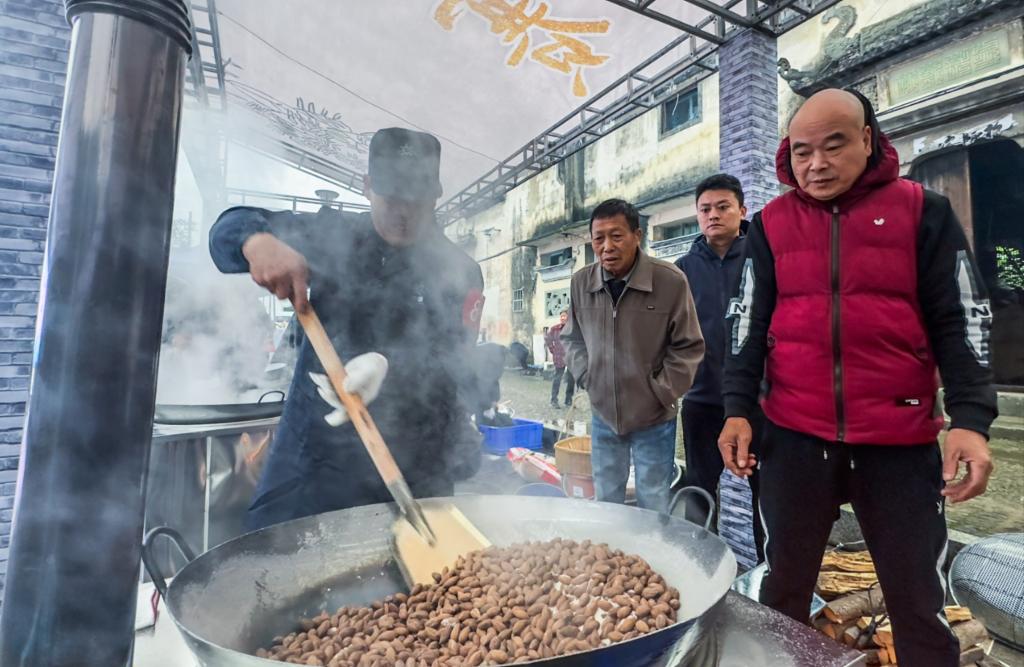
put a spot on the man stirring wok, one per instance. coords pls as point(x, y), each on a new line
point(401, 304)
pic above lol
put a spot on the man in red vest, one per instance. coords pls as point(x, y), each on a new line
point(857, 285)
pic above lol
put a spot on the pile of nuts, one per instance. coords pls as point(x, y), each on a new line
point(496, 606)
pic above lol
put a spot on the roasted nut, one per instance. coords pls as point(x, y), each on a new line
point(497, 606)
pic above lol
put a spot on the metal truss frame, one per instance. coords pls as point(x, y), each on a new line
point(653, 81)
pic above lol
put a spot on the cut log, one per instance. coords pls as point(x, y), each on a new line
point(957, 614)
point(834, 584)
point(971, 655)
point(883, 634)
point(891, 650)
point(970, 633)
point(855, 605)
point(836, 630)
point(864, 621)
point(820, 622)
point(851, 635)
point(883, 656)
point(847, 561)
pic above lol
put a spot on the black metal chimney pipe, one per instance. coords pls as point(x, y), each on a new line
point(75, 545)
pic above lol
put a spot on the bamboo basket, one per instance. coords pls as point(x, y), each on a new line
point(572, 456)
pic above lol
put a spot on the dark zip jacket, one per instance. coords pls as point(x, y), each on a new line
point(418, 306)
point(848, 307)
point(711, 279)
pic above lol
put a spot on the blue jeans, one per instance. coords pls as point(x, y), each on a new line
point(653, 451)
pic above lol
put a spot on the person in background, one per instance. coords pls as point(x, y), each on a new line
point(521, 355)
point(857, 286)
point(401, 304)
point(557, 350)
point(633, 342)
point(712, 266)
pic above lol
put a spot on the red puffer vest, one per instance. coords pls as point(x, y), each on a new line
point(848, 356)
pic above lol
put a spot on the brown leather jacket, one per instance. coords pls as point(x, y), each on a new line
point(635, 359)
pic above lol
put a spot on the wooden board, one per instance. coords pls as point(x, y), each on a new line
point(956, 614)
point(455, 535)
point(847, 561)
point(834, 584)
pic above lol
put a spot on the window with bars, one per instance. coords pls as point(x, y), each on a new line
point(680, 111)
point(518, 303)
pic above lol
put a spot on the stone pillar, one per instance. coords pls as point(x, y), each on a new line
point(749, 114)
point(748, 138)
point(35, 38)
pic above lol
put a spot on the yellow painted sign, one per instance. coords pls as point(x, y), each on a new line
point(564, 51)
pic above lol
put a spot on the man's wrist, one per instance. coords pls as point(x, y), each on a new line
point(253, 242)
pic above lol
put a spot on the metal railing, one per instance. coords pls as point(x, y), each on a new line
point(669, 249)
point(295, 202)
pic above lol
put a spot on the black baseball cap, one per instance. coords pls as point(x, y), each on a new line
point(405, 164)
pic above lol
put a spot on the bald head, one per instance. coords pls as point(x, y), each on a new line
point(831, 103)
point(830, 143)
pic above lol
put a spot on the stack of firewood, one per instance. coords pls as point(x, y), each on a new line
point(855, 613)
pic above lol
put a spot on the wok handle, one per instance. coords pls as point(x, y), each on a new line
point(271, 393)
point(694, 490)
point(149, 559)
point(357, 412)
point(378, 450)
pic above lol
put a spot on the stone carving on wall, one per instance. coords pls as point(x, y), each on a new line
point(844, 57)
point(835, 46)
point(307, 125)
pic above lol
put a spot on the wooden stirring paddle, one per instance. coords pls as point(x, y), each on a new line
point(426, 541)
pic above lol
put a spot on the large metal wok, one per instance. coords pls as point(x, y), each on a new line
point(270, 404)
point(234, 598)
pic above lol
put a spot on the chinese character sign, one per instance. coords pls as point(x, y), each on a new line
point(555, 43)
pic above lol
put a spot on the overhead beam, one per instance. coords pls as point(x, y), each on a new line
point(811, 11)
point(621, 111)
point(669, 21)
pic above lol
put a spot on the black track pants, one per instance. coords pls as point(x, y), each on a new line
point(556, 382)
point(895, 493)
point(702, 424)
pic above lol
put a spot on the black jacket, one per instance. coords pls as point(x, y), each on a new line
point(417, 306)
point(711, 279)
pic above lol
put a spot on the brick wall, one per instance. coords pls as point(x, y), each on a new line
point(34, 37)
point(749, 111)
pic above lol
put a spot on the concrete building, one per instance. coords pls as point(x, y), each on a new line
point(530, 244)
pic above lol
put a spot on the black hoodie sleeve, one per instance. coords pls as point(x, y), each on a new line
point(957, 316)
point(747, 319)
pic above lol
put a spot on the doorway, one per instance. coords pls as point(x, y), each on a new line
point(985, 185)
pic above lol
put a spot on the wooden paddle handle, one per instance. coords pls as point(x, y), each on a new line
point(357, 412)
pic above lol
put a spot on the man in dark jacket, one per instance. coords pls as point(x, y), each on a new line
point(712, 266)
point(856, 286)
point(557, 350)
point(397, 298)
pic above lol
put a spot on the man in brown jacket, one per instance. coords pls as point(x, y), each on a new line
point(634, 343)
